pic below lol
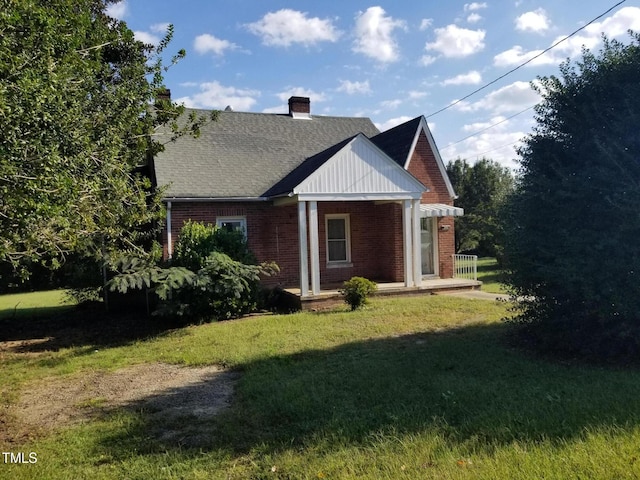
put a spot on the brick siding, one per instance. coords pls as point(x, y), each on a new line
point(376, 230)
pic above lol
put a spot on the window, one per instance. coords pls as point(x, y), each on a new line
point(232, 224)
point(338, 239)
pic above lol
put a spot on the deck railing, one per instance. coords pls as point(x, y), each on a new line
point(465, 266)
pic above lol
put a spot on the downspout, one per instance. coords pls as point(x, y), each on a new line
point(169, 244)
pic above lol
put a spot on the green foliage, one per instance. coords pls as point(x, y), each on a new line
point(197, 241)
point(482, 189)
point(574, 224)
point(77, 132)
point(224, 288)
point(356, 290)
point(203, 280)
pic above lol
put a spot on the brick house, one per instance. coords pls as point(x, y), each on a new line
point(326, 198)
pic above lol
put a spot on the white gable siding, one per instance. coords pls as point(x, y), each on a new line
point(360, 168)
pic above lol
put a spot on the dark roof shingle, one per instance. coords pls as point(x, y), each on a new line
point(247, 154)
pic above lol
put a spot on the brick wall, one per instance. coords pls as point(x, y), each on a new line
point(424, 167)
point(272, 233)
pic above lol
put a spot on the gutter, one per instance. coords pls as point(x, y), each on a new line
point(214, 199)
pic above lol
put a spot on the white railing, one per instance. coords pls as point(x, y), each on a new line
point(465, 266)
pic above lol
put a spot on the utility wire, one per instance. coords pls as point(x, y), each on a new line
point(525, 63)
point(488, 128)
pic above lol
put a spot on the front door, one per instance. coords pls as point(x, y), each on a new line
point(428, 247)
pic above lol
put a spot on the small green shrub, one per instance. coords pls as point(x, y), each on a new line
point(356, 290)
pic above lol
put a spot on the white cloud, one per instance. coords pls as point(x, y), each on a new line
point(392, 122)
point(516, 55)
point(474, 18)
point(471, 78)
point(427, 60)
point(509, 99)
point(455, 42)
point(426, 23)
point(159, 27)
point(286, 27)
point(615, 26)
point(374, 35)
point(536, 21)
point(352, 88)
point(391, 104)
point(146, 37)
point(497, 146)
point(415, 95)
point(472, 7)
point(301, 92)
point(118, 10)
point(208, 43)
point(215, 95)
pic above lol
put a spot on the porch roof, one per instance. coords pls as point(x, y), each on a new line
point(353, 169)
point(439, 210)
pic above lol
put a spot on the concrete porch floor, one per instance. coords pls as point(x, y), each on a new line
point(329, 295)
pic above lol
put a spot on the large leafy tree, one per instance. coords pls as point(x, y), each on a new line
point(482, 189)
point(79, 110)
point(572, 247)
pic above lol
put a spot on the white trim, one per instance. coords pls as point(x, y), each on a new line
point(233, 219)
point(347, 232)
point(314, 248)
point(169, 236)
point(417, 246)
point(304, 259)
point(345, 197)
point(424, 127)
point(406, 243)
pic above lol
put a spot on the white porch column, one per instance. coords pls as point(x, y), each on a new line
point(407, 240)
point(417, 243)
point(314, 247)
point(304, 259)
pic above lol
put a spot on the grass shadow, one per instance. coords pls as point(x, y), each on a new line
point(464, 385)
point(54, 328)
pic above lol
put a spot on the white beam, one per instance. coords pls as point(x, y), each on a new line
point(169, 236)
point(314, 248)
point(406, 243)
point(304, 259)
point(417, 243)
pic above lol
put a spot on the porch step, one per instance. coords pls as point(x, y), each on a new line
point(331, 298)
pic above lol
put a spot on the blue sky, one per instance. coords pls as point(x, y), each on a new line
point(389, 61)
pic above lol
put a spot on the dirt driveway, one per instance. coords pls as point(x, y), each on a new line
point(165, 393)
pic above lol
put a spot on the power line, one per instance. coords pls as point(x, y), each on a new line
point(525, 63)
point(488, 128)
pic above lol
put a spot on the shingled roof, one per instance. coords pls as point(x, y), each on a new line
point(244, 155)
point(397, 141)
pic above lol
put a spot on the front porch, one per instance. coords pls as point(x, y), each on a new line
point(329, 296)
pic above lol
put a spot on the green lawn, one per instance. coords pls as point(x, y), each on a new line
point(407, 388)
point(20, 305)
point(489, 274)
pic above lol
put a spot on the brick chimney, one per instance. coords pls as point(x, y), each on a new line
point(164, 94)
point(300, 107)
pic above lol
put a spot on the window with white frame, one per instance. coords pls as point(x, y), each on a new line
point(338, 238)
point(232, 224)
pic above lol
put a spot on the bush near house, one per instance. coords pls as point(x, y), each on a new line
point(212, 275)
point(356, 290)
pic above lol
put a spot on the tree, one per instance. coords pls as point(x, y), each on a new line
point(76, 98)
point(482, 189)
point(572, 244)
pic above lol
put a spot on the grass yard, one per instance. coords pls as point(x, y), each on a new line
point(408, 388)
point(489, 274)
point(21, 305)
